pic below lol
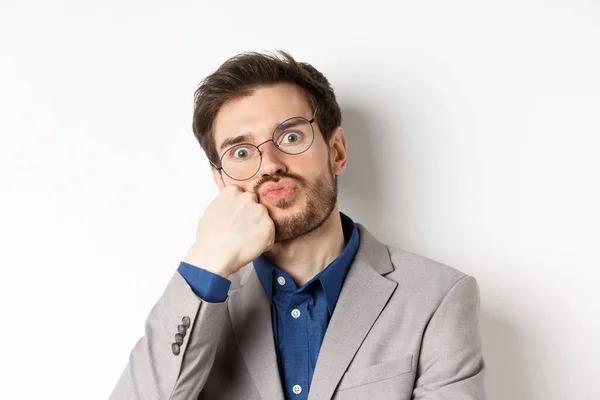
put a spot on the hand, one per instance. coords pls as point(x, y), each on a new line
point(234, 230)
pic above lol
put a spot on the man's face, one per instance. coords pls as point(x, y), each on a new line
point(309, 192)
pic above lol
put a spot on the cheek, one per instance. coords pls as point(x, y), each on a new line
point(246, 186)
point(308, 167)
point(320, 164)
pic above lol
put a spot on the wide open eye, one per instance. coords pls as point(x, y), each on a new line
point(241, 152)
point(291, 137)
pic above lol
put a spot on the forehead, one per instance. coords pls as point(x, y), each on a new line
point(259, 112)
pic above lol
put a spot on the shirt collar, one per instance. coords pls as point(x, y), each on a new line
point(331, 278)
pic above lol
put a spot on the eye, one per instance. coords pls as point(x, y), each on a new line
point(240, 153)
point(291, 137)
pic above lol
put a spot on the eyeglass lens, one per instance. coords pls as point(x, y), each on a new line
point(293, 136)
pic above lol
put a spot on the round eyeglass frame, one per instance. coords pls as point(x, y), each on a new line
point(310, 122)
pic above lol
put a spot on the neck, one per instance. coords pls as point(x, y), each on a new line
point(305, 256)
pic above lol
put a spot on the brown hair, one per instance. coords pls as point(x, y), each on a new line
point(242, 74)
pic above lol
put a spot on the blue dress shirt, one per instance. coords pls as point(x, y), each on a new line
point(300, 316)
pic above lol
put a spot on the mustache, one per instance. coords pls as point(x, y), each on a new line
point(277, 178)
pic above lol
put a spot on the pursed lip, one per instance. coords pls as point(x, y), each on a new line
point(271, 186)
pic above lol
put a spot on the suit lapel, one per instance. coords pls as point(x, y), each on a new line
point(251, 320)
point(364, 295)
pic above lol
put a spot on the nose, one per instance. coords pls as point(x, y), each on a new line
point(271, 159)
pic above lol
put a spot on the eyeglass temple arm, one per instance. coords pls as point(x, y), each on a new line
point(213, 164)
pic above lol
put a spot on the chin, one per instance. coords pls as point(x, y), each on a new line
point(285, 212)
point(286, 206)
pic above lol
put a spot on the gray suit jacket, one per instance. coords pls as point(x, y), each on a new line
point(405, 327)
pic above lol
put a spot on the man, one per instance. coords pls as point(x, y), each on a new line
point(281, 294)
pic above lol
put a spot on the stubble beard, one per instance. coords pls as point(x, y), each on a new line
point(320, 200)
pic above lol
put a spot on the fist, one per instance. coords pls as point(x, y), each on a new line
point(234, 230)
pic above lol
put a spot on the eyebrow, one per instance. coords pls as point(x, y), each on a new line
point(247, 137)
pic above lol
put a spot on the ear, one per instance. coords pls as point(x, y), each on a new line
point(218, 178)
point(339, 151)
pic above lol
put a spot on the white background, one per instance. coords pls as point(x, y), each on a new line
point(473, 131)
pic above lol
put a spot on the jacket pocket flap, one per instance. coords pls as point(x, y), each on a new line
point(375, 373)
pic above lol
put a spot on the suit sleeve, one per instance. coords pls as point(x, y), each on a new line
point(210, 287)
point(450, 364)
point(159, 369)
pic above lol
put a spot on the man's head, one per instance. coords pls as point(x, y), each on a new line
point(253, 98)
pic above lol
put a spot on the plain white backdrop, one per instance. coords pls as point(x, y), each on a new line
point(473, 132)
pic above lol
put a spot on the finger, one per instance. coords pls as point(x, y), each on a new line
point(267, 214)
point(252, 196)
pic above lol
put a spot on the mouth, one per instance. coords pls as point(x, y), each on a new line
point(277, 191)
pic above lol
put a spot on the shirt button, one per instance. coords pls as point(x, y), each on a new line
point(296, 314)
point(297, 389)
point(281, 280)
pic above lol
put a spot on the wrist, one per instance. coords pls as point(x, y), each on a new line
point(216, 265)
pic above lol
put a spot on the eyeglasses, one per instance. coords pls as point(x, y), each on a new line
point(293, 136)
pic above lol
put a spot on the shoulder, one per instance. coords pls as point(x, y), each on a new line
point(420, 275)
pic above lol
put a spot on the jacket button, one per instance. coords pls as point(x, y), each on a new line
point(181, 329)
point(175, 348)
point(178, 339)
point(186, 321)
